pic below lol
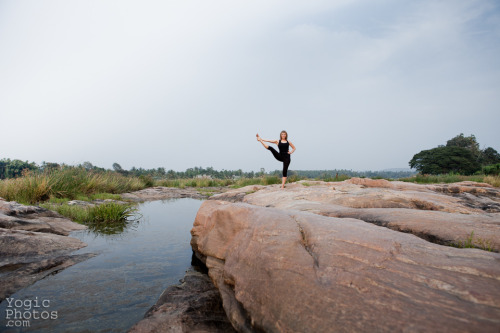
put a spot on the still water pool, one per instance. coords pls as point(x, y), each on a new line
point(111, 291)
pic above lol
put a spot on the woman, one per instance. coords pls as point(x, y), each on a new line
point(283, 155)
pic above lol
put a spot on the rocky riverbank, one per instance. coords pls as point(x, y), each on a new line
point(164, 193)
point(358, 255)
point(34, 243)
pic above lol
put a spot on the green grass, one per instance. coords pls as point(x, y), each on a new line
point(104, 213)
point(474, 242)
point(54, 200)
point(105, 196)
point(111, 212)
point(449, 178)
point(265, 180)
point(71, 183)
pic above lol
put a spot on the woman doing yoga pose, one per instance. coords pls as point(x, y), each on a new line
point(283, 155)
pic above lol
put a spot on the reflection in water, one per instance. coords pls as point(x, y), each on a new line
point(114, 228)
point(112, 291)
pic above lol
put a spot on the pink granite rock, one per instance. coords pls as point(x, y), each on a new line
point(445, 214)
point(285, 270)
point(358, 255)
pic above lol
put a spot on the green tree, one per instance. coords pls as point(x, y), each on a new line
point(447, 159)
point(87, 165)
point(490, 156)
point(117, 167)
point(468, 142)
point(49, 166)
point(14, 168)
point(171, 174)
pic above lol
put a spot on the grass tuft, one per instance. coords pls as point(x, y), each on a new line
point(448, 178)
point(492, 180)
point(474, 242)
point(105, 213)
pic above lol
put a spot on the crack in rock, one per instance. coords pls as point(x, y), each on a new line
point(306, 245)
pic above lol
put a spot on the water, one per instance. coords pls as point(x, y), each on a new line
point(112, 291)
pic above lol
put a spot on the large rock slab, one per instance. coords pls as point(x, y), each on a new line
point(286, 270)
point(16, 216)
point(445, 213)
point(34, 244)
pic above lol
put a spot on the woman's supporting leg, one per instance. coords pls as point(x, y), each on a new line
point(286, 163)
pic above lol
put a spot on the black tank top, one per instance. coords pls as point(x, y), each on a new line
point(283, 147)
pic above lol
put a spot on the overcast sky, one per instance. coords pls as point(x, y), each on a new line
point(361, 84)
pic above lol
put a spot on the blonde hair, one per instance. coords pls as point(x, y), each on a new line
point(286, 137)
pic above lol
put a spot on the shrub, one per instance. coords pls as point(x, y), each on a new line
point(147, 180)
point(493, 169)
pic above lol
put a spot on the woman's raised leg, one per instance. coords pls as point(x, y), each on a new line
point(260, 140)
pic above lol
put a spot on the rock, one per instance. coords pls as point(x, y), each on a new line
point(18, 275)
point(101, 201)
point(286, 270)
point(34, 244)
point(445, 214)
point(94, 202)
point(163, 193)
point(81, 203)
point(193, 306)
point(237, 195)
point(33, 218)
point(382, 183)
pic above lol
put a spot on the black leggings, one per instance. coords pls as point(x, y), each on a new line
point(285, 158)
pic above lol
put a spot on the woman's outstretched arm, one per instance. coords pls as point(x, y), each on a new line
point(271, 141)
point(293, 147)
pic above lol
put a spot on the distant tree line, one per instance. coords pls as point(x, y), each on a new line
point(189, 173)
point(460, 155)
point(15, 168)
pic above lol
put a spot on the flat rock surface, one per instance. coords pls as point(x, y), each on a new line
point(163, 193)
point(33, 244)
point(322, 257)
point(16, 216)
point(445, 214)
